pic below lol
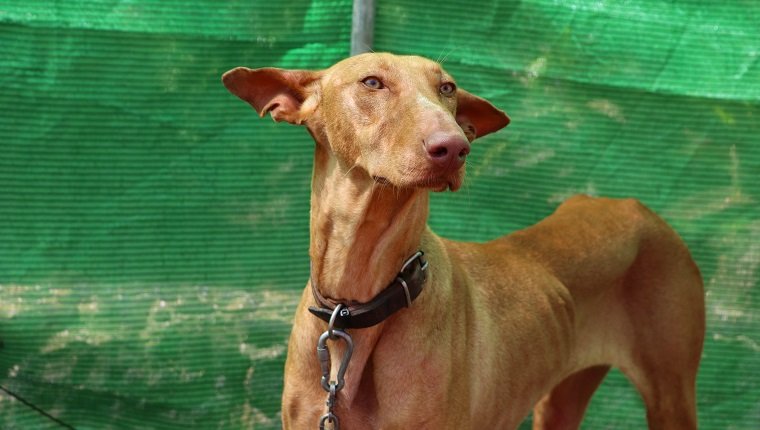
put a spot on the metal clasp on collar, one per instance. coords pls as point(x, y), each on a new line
point(323, 354)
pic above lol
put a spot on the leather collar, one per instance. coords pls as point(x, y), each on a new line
point(398, 295)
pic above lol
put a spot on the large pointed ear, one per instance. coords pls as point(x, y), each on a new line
point(280, 92)
point(477, 116)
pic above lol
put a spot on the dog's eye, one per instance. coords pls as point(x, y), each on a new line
point(447, 88)
point(373, 83)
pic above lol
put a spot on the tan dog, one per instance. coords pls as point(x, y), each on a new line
point(533, 318)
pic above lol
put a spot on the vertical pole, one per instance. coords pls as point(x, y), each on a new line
point(362, 26)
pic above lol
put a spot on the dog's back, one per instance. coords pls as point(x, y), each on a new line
point(599, 283)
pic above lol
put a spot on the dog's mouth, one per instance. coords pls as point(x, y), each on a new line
point(435, 184)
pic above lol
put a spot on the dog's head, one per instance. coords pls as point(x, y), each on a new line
point(401, 119)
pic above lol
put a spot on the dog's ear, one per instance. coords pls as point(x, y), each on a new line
point(477, 116)
point(282, 93)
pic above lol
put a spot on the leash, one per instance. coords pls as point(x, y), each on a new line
point(397, 295)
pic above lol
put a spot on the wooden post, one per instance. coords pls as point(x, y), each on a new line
point(362, 26)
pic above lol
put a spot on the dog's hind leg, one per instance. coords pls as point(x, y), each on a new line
point(670, 400)
point(563, 407)
point(666, 357)
point(666, 306)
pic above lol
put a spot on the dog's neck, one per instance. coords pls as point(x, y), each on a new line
point(361, 231)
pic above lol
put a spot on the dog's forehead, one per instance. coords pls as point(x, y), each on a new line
point(371, 64)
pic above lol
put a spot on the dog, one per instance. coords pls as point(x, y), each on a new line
point(473, 335)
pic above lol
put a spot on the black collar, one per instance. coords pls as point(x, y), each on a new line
point(399, 294)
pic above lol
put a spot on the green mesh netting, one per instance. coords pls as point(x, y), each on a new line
point(154, 232)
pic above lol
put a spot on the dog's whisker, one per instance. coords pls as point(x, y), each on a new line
point(355, 165)
point(443, 61)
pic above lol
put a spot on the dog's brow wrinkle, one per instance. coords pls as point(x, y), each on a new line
point(421, 99)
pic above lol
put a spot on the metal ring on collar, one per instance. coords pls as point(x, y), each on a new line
point(331, 324)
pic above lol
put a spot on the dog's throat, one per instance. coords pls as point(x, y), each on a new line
point(397, 295)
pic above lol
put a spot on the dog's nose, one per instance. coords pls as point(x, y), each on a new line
point(447, 151)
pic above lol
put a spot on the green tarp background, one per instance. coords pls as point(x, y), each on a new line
point(154, 232)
